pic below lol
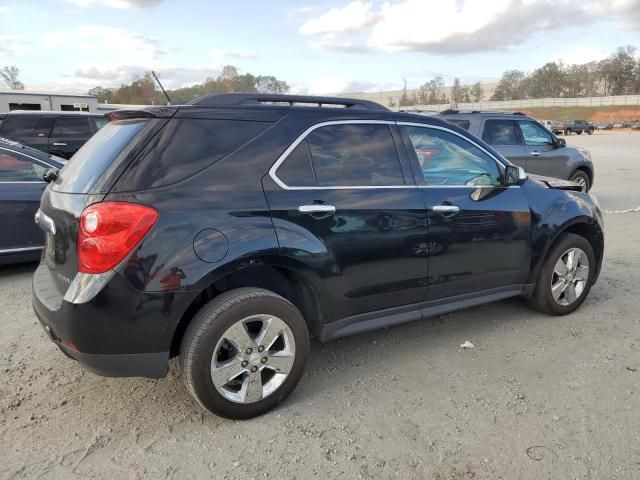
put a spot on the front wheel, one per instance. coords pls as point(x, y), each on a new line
point(244, 352)
point(590, 131)
point(566, 276)
point(567, 131)
point(581, 178)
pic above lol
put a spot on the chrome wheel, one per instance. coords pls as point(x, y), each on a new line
point(570, 276)
point(580, 180)
point(253, 358)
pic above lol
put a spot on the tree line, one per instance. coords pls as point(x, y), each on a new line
point(618, 74)
point(143, 91)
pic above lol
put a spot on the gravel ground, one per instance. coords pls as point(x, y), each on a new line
point(538, 397)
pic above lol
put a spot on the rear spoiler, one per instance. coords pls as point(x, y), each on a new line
point(150, 112)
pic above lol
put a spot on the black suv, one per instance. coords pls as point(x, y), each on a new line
point(230, 231)
point(58, 133)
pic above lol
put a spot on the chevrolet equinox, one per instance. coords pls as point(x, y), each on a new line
point(229, 231)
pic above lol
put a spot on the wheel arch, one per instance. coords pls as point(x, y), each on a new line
point(583, 226)
point(293, 285)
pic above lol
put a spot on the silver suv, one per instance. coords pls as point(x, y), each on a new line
point(525, 142)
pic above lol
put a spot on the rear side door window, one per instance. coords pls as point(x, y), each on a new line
point(354, 155)
point(449, 160)
point(534, 134)
point(460, 122)
point(72, 127)
point(18, 168)
point(500, 132)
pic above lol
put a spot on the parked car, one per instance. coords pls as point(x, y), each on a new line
point(58, 133)
point(635, 125)
point(578, 126)
point(21, 186)
point(230, 231)
point(553, 126)
point(526, 143)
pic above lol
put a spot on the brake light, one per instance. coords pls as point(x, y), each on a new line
point(109, 231)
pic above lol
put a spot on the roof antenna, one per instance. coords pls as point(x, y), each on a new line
point(161, 87)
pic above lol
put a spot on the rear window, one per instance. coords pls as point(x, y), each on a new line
point(183, 148)
point(89, 163)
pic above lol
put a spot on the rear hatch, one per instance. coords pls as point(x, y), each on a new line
point(85, 180)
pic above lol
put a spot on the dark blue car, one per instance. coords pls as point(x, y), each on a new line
point(21, 186)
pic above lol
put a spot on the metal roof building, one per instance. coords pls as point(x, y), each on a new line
point(25, 100)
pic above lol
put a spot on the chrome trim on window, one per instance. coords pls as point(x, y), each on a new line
point(20, 250)
point(303, 136)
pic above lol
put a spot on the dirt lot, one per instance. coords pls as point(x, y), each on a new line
point(538, 397)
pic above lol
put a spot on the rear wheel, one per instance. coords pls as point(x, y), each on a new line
point(567, 131)
point(244, 352)
point(581, 178)
point(565, 277)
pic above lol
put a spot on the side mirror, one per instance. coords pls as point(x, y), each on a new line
point(514, 175)
point(561, 142)
point(50, 175)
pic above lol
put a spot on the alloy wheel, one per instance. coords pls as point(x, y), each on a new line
point(570, 276)
point(253, 358)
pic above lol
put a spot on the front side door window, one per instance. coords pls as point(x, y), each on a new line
point(447, 159)
point(534, 134)
point(17, 168)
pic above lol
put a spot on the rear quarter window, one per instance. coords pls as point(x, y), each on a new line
point(183, 148)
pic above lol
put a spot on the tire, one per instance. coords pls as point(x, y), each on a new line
point(590, 131)
point(209, 332)
point(567, 131)
point(582, 178)
point(542, 298)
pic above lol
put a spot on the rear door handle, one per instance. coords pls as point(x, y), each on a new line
point(535, 153)
point(446, 209)
point(317, 208)
point(59, 144)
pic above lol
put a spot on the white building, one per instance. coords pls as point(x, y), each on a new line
point(25, 100)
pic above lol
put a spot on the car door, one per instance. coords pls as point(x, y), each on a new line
point(21, 187)
point(503, 135)
point(346, 208)
point(68, 135)
point(478, 228)
point(544, 157)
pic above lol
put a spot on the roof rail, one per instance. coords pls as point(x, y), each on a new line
point(241, 99)
point(451, 111)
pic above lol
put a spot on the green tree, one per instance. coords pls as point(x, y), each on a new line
point(103, 95)
point(477, 92)
point(512, 86)
point(618, 72)
point(404, 101)
point(432, 92)
point(11, 77)
point(546, 81)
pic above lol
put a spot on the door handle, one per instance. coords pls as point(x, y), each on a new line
point(535, 153)
point(446, 209)
point(317, 208)
point(59, 144)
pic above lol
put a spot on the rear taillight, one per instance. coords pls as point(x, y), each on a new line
point(109, 231)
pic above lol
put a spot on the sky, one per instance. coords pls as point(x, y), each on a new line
point(318, 47)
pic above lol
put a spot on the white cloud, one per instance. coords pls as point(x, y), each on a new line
point(11, 46)
point(234, 55)
point(105, 40)
point(455, 27)
point(120, 4)
point(348, 19)
point(581, 55)
point(333, 84)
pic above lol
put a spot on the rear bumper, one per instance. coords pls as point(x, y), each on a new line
point(121, 332)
